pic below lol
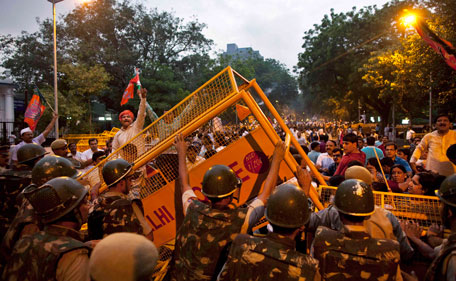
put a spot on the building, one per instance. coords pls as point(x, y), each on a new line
point(235, 52)
point(6, 108)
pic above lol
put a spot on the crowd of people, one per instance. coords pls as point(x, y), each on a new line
point(45, 204)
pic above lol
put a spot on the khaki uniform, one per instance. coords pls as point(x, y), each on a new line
point(354, 255)
point(201, 242)
point(43, 255)
point(113, 212)
point(271, 258)
point(444, 265)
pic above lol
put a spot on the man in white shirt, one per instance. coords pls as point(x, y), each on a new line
point(324, 160)
point(87, 155)
point(409, 135)
point(437, 144)
point(27, 137)
point(131, 128)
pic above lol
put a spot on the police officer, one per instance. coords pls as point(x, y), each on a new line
point(207, 229)
point(381, 224)
point(353, 254)
point(56, 253)
point(444, 265)
point(13, 181)
point(114, 211)
point(25, 221)
point(123, 257)
point(274, 257)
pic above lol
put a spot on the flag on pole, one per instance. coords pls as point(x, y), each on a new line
point(441, 46)
point(130, 90)
point(242, 111)
point(34, 109)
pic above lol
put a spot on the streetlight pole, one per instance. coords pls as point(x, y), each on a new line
point(56, 102)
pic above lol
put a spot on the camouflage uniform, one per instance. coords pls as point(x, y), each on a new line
point(36, 257)
point(202, 240)
point(444, 262)
point(14, 215)
point(354, 255)
point(112, 212)
point(381, 224)
point(271, 258)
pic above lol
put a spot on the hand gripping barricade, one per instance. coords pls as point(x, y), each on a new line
point(220, 107)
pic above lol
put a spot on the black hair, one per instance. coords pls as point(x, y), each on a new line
point(370, 141)
point(391, 143)
point(335, 143)
point(442, 115)
point(97, 155)
point(399, 166)
point(336, 180)
point(354, 163)
point(337, 150)
point(428, 182)
point(373, 161)
point(305, 148)
point(314, 144)
point(387, 162)
point(298, 158)
point(350, 137)
point(93, 139)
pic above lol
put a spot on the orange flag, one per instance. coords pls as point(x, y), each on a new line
point(242, 111)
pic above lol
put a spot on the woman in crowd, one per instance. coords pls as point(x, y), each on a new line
point(399, 176)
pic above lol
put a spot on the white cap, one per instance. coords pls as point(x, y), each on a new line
point(26, 130)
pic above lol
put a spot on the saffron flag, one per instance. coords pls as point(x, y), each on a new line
point(130, 90)
point(242, 111)
point(441, 46)
point(35, 109)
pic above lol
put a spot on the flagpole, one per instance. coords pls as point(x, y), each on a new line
point(56, 111)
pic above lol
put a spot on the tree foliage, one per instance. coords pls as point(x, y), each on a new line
point(366, 55)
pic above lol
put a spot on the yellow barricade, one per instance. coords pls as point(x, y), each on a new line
point(219, 108)
point(406, 207)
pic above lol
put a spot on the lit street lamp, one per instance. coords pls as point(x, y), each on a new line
point(56, 102)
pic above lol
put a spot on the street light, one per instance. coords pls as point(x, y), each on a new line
point(56, 102)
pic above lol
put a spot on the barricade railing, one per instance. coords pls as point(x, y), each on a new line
point(217, 111)
point(406, 207)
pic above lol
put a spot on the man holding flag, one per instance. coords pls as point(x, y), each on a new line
point(129, 127)
point(32, 115)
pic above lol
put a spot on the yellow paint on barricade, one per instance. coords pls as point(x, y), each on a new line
point(407, 207)
point(213, 104)
point(249, 158)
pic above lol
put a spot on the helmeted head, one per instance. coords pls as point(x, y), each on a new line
point(288, 207)
point(115, 170)
point(354, 197)
point(60, 147)
point(57, 198)
point(52, 167)
point(447, 191)
point(29, 153)
point(359, 173)
point(123, 257)
point(220, 181)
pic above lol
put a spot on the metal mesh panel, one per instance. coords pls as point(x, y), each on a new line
point(181, 115)
point(417, 208)
point(215, 135)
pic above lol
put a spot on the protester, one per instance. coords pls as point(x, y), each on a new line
point(351, 152)
point(27, 137)
point(437, 143)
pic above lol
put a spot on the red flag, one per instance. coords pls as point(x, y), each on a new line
point(441, 46)
point(35, 109)
point(130, 90)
